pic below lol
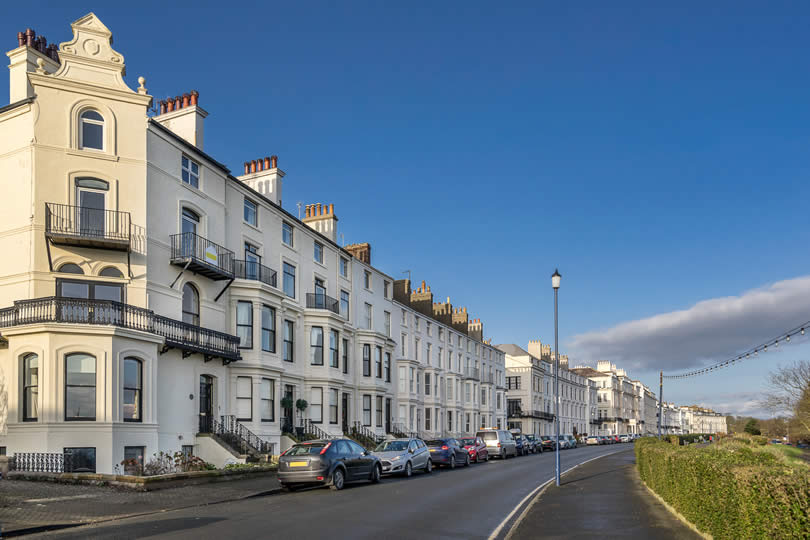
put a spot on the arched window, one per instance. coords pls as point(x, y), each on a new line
point(91, 131)
point(111, 271)
point(30, 369)
point(191, 305)
point(80, 387)
point(70, 268)
point(133, 386)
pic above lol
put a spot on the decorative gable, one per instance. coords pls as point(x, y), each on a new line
point(89, 56)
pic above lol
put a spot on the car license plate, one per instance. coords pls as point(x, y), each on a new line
point(298, 464)
point(433, 450)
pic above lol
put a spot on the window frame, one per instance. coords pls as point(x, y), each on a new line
point(194, 316)
point(387, 367)
point(271, 332)
point(249, 398)
point(317, 252)
point(67, 448)
point(26, 387)
point(92, 122)
point(379, 411)
point(378, 362)
point(367, 410)
point(271, 399)
point(344, 267)
point(287, 230)
point(345, 343)
point(366, 360)
point(289, 344)
point(347, 300)
point(193, 177)
point(313, 406)
point(285, 274)
point(255, 210)
point(94, 386)
point(333, 407)
point(315, 350)
point(334, 348)
point(138, 390)
point(249, 325)
point(367, 281)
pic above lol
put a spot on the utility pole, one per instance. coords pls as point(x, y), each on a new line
point(555, 283)
point(660, 402)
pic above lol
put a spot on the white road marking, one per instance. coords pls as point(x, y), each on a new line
point(503, 523)
point(65, 498)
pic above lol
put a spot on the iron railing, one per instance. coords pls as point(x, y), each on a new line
point(255, 271)
point(322, 301)
point(401, 431)
point(190, 246)
point(196, 338)
point(472, 373)
point(310, 431)
point(91, 223)
point(365, 435)
point(235, 434)
point(107, 312)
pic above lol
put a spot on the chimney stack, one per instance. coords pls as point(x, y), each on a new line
point(322, 218)
point(183, 116)
point(264, 176)
point(23, 60)
point(360, 252)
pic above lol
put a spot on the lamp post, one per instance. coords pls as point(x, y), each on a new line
point(555, 283)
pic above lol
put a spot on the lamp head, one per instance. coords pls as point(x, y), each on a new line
point(555, 279)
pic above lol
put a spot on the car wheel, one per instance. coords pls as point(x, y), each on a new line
point(467, 460)
point(338, 479)
point(429, 467)
point(486, 458)
point(376, 474)
point(408, 470)
point(453, 461)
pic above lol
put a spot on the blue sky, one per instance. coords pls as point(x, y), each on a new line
point(655, 154)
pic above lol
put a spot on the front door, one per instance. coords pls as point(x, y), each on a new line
point(206, 403)
point(287, 412)
point(345, 413)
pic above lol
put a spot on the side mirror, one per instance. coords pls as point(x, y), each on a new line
point(410, 450)
point(366, 452)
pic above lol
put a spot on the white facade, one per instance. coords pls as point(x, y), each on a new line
point(151, 291)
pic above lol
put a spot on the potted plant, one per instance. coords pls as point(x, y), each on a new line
point(301, 405)
point(287, 402)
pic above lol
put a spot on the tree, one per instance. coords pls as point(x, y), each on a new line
point(789, 391)
point(752, 428)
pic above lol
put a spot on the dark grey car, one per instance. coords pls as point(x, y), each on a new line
point(327, 462)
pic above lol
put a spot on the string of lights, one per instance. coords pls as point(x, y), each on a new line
point(754, 351)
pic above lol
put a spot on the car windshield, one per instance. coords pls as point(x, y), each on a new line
point(488, 435)
point(545, 437)
point(436, 442)
point(530, 437)
point(562, 437)
point(465, 442)
point(305, 449)
point(392, 446)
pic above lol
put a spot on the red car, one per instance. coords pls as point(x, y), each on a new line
point(616, 438)
point(475, 447)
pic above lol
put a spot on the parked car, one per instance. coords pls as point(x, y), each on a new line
point(605, 439)
point(547, 442)
point(475, 447)
point(616, 439)
point(500, 442)
point(327, 462)
point(447, 452)
point(521, 444)
point(592, 440)
point(564, 443)
point(537, 445)
point(572, 441)
point(403, 456)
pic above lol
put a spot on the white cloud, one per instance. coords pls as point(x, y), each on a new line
point(709, 331)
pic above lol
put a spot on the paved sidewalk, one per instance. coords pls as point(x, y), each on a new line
point(601, 499)
point(33, 506)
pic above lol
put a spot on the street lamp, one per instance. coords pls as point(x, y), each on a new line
point(555, 283)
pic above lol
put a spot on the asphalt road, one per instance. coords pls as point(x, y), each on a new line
point(463, 503)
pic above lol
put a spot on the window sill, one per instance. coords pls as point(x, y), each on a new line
point(98, 154)
point(252, 226)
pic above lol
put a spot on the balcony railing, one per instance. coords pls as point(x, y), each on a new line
point(202, 256)
point(186, 337)
point(255, 271)
point(517, 412)
point(88, 227)
point(322, 301)
point(472, 373)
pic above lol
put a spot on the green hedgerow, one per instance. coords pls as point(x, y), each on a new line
point(730, 490)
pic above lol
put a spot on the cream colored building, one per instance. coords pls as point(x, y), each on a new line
point(150, 297)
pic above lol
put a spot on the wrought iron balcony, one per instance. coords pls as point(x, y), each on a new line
point(186, 337)
point(255, 271)
point(517, 412)
point(87, 227)
point(322, 301)
point(202, 256)
point(472, 373)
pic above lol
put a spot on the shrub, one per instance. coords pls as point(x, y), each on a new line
point(164, 463)
point(730, 490)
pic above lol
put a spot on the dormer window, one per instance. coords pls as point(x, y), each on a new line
point(91, 131)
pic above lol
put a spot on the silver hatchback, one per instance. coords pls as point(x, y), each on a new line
point(403, 456)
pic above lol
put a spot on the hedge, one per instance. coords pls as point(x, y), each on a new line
point(729, 491)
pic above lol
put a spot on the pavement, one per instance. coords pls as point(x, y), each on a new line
point(604, 498)
point(30, 507)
